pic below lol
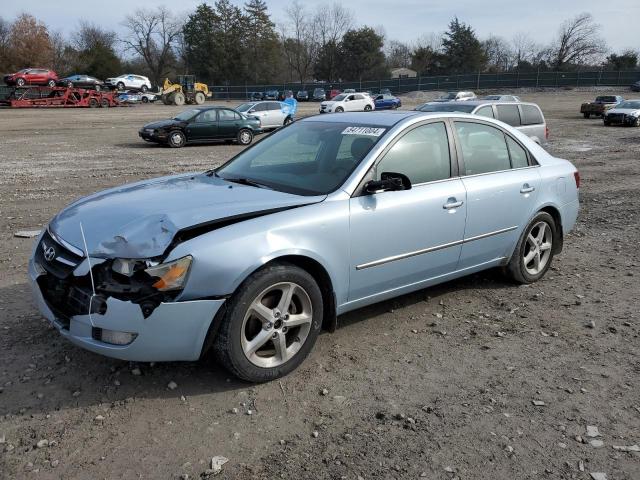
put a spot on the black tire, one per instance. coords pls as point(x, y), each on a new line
point(516, 269)
point(93, 103)
point(69, 84)
point(51, 83)
point(120, 86)
point(20, 82)
point(227, 344)
point(339, 110)
point(104, 103)
point(177, 139)
point(145, 100)
point(244, 137)
point(606, 122)
point(637, 122)
point(144, 89)
point(367, 108)
point(586, 115)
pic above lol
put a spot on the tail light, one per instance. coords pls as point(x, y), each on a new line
point(576, 176)
point(546, 132)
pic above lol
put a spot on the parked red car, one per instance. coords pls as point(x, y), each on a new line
point(32, 76)
point(333, 92)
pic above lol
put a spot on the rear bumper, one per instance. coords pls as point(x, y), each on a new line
point(175, 331)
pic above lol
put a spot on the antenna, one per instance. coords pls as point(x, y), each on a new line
point(93, 286)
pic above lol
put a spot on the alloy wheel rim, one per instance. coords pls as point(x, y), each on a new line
point(276, 325)
point(176, 138)
point(244, 136)
point(537, 251)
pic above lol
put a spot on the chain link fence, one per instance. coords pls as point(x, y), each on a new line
point(478, 81)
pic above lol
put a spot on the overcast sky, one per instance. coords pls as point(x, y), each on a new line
point(403, 20)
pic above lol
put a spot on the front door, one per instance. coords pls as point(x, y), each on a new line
point(204, 126)
point(502, 185)
point(400, 239)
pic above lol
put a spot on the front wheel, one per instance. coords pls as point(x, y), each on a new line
point(271, 323)
point(533, 254)
point(144, 89)
point(120, 86)
point(244, 137)
point(51, 83)
point(145, 100)
point(20, 82)
point(339, 110)
point(177, 139)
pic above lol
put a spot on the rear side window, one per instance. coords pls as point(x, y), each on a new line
point(531, 115)
point(226, 115)
point(422, 155)
point(485, 111)
point(518, 154)
point(484, 148)
point(509, 114)
point(274, 106)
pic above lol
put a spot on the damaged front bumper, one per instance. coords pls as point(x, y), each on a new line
point(174, 331)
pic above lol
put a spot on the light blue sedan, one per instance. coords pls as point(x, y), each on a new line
point(328, 214)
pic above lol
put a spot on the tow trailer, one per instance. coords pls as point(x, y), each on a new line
point(30, 97)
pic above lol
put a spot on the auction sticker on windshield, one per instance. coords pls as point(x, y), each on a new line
point(371, 131)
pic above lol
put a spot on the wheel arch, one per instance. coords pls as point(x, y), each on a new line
point(557, 218)
point(306, 263)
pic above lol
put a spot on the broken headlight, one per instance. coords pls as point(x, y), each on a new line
point(172, 275)
point(165, 276)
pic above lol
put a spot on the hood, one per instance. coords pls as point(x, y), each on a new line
point(626, 111)
point(164, 123)
point(140, 220)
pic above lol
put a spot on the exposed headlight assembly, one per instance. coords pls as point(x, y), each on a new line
point(172, 275)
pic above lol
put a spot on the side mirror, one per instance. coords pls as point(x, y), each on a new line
point(389, 182)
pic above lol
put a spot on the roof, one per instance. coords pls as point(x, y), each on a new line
point(380, 119)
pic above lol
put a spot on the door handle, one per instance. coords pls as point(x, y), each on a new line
point(452, 203)
point(526, 188)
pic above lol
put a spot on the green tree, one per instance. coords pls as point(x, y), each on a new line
point(463, 52)
point(361, 55)
point(426, 61)
point(263, 48)
point(627, 60)
point(326, 65)
point(230, 42)
point(96, 54)
point(199, 42)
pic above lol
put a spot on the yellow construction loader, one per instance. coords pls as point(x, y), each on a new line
point(187, 90)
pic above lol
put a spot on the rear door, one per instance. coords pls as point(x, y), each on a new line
point(204, 126)
point(229, 123)
point(402, 238)
point(276, 116)
point(502, 185)
point(532, 123)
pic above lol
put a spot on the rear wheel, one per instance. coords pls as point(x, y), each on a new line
point(20, 82)
point(271, 324)
point(144, 89)
point(93, 102)
point(200, 98)
point(176, 139)
point(104, 103)
point(244, 137)
point(586, 115)
point(367, 108)
point(120, 86)
point(51, 83)
point(533, 254)
point(145, 100)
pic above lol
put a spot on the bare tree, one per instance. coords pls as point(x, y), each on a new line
point(398, 54)
point(5, 35)
point(524, 49)
point(498, 52)
point(578, 42)
point(332, 22)
point(88, 36)
point(152, 35)
point(300, 40)
point(63, 55)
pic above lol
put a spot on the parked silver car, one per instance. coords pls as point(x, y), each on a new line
point(526, 117)
point(330, 214)
point(271, 114)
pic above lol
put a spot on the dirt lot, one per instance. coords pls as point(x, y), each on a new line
point(438, 384)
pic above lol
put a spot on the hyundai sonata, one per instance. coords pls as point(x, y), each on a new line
point(326, 215)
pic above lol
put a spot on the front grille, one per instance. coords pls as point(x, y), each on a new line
point(616, 117)
point(55, 258)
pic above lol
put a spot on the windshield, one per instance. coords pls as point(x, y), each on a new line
point(339, 98)
point(447, 107)
point(245, 107)
point(187, 115)
point(606, 99)
point(306, 158)
point(635, 105)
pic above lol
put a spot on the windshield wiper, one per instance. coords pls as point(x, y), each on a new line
point(246, 181)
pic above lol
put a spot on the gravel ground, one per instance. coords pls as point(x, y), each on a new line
point(444, 383)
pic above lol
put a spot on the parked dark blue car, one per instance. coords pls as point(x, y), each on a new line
point(386, 102)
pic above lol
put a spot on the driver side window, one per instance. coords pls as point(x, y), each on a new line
point(422, 155)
